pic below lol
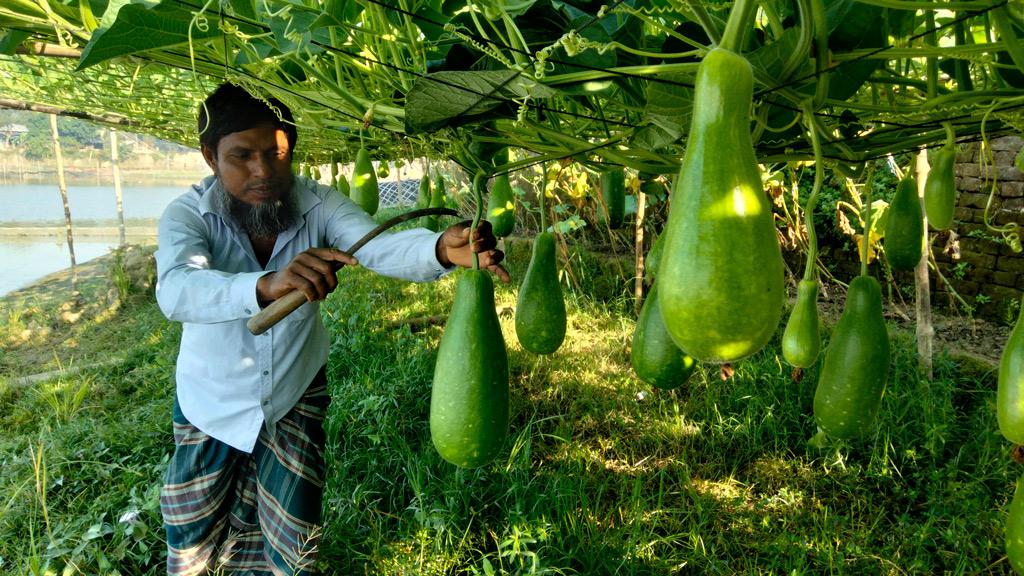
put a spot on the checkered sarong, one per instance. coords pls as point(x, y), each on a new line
point(255, 513)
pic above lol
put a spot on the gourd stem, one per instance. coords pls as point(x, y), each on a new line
point(479, 181)
point(950, 134)
point(540, 201)
point(810, 271)
point(737, 25)
point(822, 60)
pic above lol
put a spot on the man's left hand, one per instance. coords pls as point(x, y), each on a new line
point(454, 247)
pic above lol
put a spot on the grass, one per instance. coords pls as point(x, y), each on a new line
point(601, 474)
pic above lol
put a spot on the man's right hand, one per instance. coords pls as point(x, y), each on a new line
point(312, 272)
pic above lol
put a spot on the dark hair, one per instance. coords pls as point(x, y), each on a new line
point(231, 109)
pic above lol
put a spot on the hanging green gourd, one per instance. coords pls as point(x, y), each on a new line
point(305, 171)
point(436, 201)
point(1010, 389)
point(423, 196)
point(654, 356)
point(469, 400)
point(856, 365)
point(801, 340)
point(1014, 530)
point(904, 226)
point(315, 172)
point(540, 307)
point(365, 191)
point(343, 186)
point(612, 210)
point(721, 271)
point(652, 259)
point(940, 187)
point(501, 207)
point(383, 169)
point(334, 174)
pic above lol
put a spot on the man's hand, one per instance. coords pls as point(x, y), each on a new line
point(312, 272)
point(453, 247)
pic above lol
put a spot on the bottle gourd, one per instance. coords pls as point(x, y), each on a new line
point(940, 188)
point(365, 191)
point(1010, 388)
point(469, 400)
point(1014, 530)
point(501, 207)
point(721, 270)
point(856, 364)
point(904, 226)
point(801, 341)
point(540, 308)
point(613, 198)
point(655, 357)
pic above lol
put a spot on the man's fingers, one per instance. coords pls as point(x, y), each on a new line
point(500, 272)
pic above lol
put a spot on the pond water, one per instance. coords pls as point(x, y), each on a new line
point(27, 259)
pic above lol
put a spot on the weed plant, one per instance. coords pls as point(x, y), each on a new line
point(601, 474)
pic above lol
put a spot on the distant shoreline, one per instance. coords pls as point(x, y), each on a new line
point(135, 231)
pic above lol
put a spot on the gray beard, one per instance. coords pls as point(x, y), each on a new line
point(264, 220)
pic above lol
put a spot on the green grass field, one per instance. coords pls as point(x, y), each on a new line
point(601, 474)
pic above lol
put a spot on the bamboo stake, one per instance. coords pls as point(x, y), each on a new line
point(62, 185)
point(116, 165)
point(925, 331)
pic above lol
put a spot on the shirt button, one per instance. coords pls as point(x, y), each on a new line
point(247, 311)
point(266, 402)
point(266, 372)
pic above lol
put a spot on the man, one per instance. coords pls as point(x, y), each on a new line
point(243, 490)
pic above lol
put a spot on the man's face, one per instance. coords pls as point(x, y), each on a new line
point(254, 165)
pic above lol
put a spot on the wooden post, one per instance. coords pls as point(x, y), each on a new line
point(115, 164)
point(638, 282)
point(925, 330)
point(62, 185)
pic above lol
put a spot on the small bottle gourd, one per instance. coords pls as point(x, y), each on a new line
point(940, 188)
point(540, 307)
point(856, 365)
point(612, 210)
point(904, 226)
point(801, 340)
point(654, 356)
point(365, 191)
point(501, 207)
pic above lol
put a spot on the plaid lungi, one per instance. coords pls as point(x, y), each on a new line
point(227, 511)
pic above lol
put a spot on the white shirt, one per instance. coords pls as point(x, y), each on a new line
point(230, 382)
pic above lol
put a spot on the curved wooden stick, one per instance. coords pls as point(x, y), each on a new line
point(285, 305)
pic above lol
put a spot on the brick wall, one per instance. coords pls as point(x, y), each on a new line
point(986, 272)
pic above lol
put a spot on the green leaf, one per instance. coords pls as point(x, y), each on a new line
point(669, 106)
point(10, 41)
point(138, 29)
point(455, 98)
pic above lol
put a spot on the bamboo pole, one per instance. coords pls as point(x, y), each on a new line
point(116, 165)
point(62, 185)
point(925, 331)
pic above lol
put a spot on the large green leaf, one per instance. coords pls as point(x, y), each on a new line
point(455, 98)
point(138, 29)
point(669, 107)
point(10, 40)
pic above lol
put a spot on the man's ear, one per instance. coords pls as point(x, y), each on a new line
point(210, 156)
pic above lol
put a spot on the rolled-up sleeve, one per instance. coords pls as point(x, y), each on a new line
point(188, 289)
point(409, 254)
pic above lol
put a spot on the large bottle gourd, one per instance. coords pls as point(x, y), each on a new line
point(469, 400)
point(721, 272)
point(364, 189)
point(856, 365)
point(540, 308)
point(1010, 389)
